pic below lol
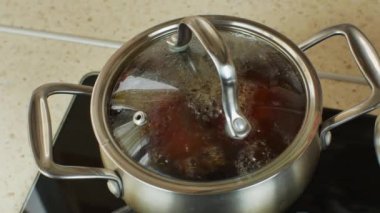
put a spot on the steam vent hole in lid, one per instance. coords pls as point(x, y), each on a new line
point(182, 135)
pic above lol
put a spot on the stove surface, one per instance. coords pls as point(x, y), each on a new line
point(347, 178)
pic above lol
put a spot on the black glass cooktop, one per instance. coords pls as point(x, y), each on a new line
point(347, 178)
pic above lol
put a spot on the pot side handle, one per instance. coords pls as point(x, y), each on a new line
point(368, 62)
point(40, 135)
point(377, 138)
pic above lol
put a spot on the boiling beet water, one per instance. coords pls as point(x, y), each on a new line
point(188, 139)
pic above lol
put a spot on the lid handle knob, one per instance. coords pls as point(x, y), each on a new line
point(237, 125)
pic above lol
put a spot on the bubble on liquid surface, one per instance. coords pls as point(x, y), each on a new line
point(253, 157)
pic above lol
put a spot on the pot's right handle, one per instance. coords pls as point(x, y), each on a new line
point(369, 64)
point(377, 138)
point(41, 139)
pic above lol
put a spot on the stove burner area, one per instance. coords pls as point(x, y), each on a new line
point(347, 178)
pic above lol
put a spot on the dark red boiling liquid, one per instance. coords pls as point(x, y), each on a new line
point(184, 145)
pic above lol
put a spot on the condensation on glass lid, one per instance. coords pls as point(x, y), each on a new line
point(180, 131)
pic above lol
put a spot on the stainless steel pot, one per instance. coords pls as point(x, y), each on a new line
point(270, 189)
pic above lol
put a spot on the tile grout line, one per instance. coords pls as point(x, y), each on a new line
point(117, 44)
point(61, 37)
point(341, 77)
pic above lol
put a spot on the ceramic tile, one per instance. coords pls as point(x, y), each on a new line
point(27, 63)
point(120, 20)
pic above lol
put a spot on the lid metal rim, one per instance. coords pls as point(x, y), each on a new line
point(299, 145)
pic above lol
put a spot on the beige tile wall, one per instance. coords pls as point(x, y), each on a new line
point(27, 62)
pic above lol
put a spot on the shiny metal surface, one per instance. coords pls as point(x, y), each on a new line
point(41, 137)
point(368, 62)
point(139, 118)
point(270, 189)
point(237, 126)
point(273, 194)
point(377, 138)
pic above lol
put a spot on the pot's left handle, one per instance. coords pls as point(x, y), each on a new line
point(41, 138)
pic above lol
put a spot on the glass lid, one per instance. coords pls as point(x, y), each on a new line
point(167, 111)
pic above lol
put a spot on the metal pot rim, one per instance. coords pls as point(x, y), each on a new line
point(305, 136)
